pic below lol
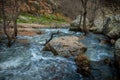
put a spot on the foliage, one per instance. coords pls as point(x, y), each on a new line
point(42, 19)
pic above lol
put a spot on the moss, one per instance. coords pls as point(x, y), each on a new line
point(82, 60)
point(83, 65)
point(43, 19)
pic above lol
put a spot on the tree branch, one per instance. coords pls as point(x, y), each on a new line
point(52, 35)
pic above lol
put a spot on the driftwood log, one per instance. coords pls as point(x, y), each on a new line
point(52, 35)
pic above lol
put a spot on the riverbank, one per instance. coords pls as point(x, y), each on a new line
point(26, 29)
point(32, 29)
point(32, 25)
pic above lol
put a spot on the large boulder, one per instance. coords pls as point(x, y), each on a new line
point(98, 25)
point(117, 55)
point(112, 26)
point(109, 25)
point(75, 23)
point(66, 46)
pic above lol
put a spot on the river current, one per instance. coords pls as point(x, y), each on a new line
point(27, 61)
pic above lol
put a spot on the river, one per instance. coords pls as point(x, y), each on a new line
point(28, 62)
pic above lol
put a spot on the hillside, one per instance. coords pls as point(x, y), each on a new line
point(69, 8)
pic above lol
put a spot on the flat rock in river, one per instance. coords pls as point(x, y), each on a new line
point(65, 46)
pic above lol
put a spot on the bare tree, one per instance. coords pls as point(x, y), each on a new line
point(93, 7)
point(84, 15)
point(10, 12)
point(89, 11)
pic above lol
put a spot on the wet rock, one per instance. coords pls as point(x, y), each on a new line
point(101, 70)
point(110, 25)
point(2, 78)
point(22, 41)
point(107, 61)
point(75, 24)
point(117, 56)
point(83, 65)
point(98, 25)
point(65, 46)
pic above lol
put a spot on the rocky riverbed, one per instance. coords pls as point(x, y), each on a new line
point(26, 60)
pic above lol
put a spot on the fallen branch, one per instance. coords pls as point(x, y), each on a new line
point(52, 35)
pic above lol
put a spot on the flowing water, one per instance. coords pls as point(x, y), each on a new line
point(27, 61)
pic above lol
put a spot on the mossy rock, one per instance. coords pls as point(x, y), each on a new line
point(83, 64)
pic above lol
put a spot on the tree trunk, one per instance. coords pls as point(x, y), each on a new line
point(4, 24)
point(15, 29)
point(84, 22)
point(84, 4)
point(80, 22)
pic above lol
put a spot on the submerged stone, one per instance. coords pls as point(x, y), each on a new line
point(117, 55)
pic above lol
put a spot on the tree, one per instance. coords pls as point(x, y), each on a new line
point(94, 6)
point(88, 12)
point(84, 15)
point(113, 5)
point(10, 12)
